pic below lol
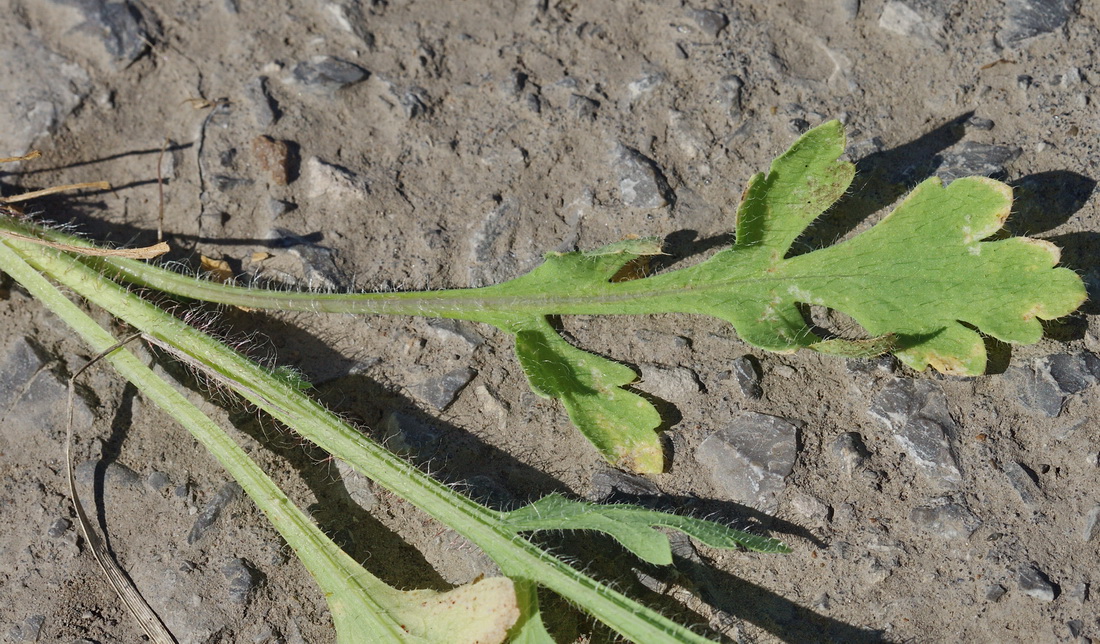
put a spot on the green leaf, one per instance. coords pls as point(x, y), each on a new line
point(922, 275)
point(922, 282)
point(633, 527)
point(619, 422)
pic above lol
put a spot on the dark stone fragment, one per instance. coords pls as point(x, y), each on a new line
point(265, 109)
point(225, 183)
point(851, 451)
point(749, 459)
point(243, 579)
point(948, 520)
point(978, 123)
point(119, 24)
point(213, 510)
point(584, 107)
point(416, 102)
point(710, 22)
point(970, 158)
point(747, 372)
point(328, 72)
point(616, 486)
point(916, 412)
point(59, 527)
point(798, 126)
point(641, 182)
point(1024, 481)
point(1035, 583)
point(440, 392)
point(1043, 385)
point(1029, 18)
point(402, 432)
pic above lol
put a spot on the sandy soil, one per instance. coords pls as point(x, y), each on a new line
point(381, 145)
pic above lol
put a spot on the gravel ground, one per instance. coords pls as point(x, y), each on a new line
point(380, 145)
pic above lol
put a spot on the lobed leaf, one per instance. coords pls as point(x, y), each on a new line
point(922, 276)
point(633, 527)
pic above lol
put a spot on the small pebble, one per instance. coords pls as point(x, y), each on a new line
point(243, 579)
point(265, 109)
point(749, 459)
point(213, 509)
point(915, 411)
point(584, 107)
point(1035, 583)
point(710, 22)
point(441, 391)
point(1024, 481)
point(1024, 19)
point(675, 384)
point(641, 182)
point(948, 520)
point(329, 73)
point(1090, 524)
point(746, 370)
point(851, 451)
point(59, 527)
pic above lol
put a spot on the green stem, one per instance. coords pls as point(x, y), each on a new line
point(517, 557)
point(334, 570)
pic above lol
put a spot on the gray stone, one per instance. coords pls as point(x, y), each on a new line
point(213, 509)
point(746, 370)
point(916, 412)
point(710, 22)
point(265, 109)
point(158, 481)
point(1035, 583)
point(919, 20)
point(947, 519)
point(1090, 524)
point(851, 451)
point(415, 101)
point(641, 183)
point(1026, 19)
point(319, 269)
point(493, 254)
point(40, 89)
point(459, 330)
point(407, 434)
point(608, 484)
point(798, 125)
point(750, 459)
point(979, 123)
point(331, 182)
point(243, 579)
point(329, 73)
point(645, 84)
point(970, 158)
point(441, 391)
point(584, 107)
point(116, 475)
point(995, 592)
point(118, 26)
point(1078, 592)
point(1023, 480)
point(59, 527)
point(675, 384)
point(730, 90)
point(29, 631)
point(359, 487)
point(1073, 373)
point(1043, 385)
